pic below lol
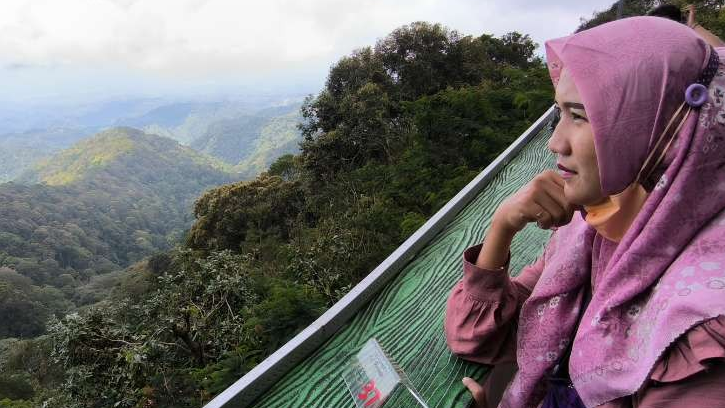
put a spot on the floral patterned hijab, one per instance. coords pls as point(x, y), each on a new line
point(668, 272)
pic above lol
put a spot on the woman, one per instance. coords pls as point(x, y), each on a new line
point(628, 297)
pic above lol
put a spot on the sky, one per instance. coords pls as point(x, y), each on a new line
point(81, 50)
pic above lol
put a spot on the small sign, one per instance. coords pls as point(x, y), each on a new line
point(371, 376)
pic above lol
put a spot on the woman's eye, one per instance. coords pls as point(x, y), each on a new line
point(576, 116)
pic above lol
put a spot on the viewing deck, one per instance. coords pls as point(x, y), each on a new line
point(402, 302)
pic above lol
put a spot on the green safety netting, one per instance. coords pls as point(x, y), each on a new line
point(405, 313)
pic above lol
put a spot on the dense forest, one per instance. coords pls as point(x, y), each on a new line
point(397, 130)
point(70, 226)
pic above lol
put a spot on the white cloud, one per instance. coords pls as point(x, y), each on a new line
point(201, 38)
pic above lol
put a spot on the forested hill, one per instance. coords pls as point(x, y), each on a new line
point(261, 136)
point(103, 204)
point(21, 150)
point(250, 133)
point(128, 156)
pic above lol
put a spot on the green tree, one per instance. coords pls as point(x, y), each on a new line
point(229, 216)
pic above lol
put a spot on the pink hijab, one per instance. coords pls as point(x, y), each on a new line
point(668, 272)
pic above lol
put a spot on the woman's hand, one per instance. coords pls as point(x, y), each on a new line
point(541, 200)
point(478, 392)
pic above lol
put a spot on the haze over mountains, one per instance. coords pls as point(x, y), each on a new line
point(250, 132)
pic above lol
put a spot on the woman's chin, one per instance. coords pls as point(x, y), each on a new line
point(581, 201)
point(574, 199)
point(576, 196)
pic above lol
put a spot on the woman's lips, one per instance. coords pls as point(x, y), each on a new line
point(565, 172)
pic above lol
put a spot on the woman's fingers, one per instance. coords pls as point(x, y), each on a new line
point(542, 200)
point(555, 188)
point(552, 211)
point(555, 177)
point(552, 185)
point(477, 390)
point(533, 212)
point(567, 209)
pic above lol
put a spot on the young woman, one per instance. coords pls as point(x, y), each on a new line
point(625, 307)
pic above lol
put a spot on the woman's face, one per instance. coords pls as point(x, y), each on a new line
point(573, 143)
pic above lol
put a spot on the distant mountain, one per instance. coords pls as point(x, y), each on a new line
point(233, 131)
point(167, 115)
point(103, 204)
point(253, 141)
point(123, 153)
point(105, 113)
point(19, 118)
point(231, 139)
point(20, 151)
point(179, 121)
point(278, 136)
point(33, 132)
point(188, 121)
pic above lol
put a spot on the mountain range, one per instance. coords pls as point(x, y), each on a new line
point(248, 133)
point(101, 205)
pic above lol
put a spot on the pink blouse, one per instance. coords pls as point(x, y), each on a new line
point(482, 316)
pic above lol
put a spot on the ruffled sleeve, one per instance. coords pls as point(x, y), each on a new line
point(691, 373)
point(693, 352)
point(483, 309)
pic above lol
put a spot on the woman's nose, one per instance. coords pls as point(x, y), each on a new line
point(557, 142)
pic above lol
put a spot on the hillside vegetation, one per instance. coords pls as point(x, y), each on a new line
point(260, 137)
point(278, 137)
point(102, 205)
